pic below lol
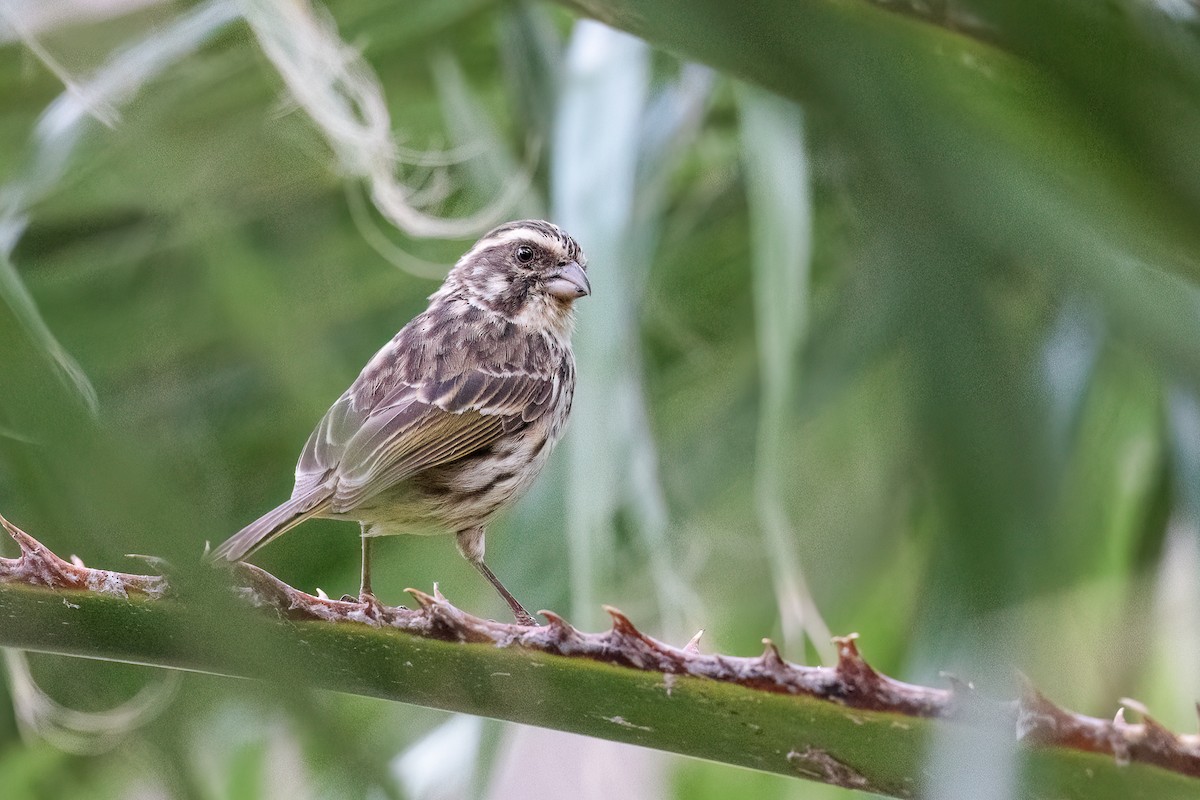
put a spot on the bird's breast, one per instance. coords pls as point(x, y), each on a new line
point(472, 490)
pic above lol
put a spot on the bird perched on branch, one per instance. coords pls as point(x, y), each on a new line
point(454, 418)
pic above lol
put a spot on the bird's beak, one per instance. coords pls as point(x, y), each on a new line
point(570, 282)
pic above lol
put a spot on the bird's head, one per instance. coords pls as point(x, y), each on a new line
point(529, 272)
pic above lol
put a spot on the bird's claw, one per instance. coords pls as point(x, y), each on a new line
point(371, 605)
point(524, 619)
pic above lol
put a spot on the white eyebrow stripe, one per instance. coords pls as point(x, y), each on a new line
point(527, 234)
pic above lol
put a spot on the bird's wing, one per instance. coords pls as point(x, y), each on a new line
point(326, 445)
point(415, 427)
point(426, 425)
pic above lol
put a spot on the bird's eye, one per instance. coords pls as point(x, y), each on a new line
point(524, 254)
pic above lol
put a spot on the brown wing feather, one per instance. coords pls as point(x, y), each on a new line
point(326, 445)
point(419, 404)
point(450, 420)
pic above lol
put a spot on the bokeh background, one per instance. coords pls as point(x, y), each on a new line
point(829, 382)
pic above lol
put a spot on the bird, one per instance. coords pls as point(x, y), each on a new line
point(453, 419)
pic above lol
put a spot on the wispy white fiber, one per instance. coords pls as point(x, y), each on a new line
point(86, 102)
point(607, 187)
point(777, 186)
point(40, 716)
point(340, 92)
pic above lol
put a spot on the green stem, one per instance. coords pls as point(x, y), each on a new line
point(793, 734)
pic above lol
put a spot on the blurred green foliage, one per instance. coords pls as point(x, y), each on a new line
point(987, 441)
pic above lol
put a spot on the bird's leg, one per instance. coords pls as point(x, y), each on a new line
point(523, 616)
point(364, 586)
point(365, 595)
point(470, 544)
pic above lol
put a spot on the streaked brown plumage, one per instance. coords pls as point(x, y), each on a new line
point(453, 419)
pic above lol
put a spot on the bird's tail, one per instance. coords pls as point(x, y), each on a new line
point(274, 523)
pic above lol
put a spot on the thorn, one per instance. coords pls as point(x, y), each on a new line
point(1033, 701)
point(555, 621)
point(207, 549)
point(423, 599)
point(261, 581)
point(27, 543)
point(693, 645)
point(13, 530)
point(957, 685)
point(770, 655)
point(1156, 732)
point(1135, 705)
point(851, 666)
point(621, 623)
point(321, 594)
point(257, 572)
point(846, 643)
point(437, 594)
point(1118, 738)
point(1036, 713)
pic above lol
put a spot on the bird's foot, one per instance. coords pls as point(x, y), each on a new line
point(372, 608)
point(371, 605)
point(525, 619)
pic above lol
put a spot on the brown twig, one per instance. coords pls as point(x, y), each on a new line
point(852, 682)
point(38, 566)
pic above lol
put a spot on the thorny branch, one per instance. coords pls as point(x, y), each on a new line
point(37, 566)
point(853, 683)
